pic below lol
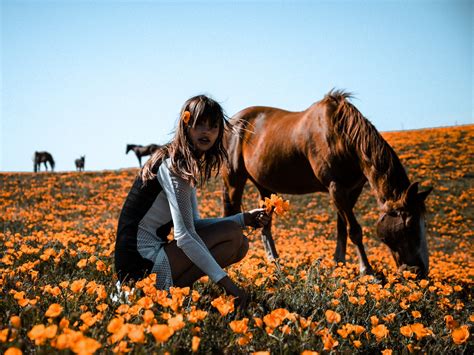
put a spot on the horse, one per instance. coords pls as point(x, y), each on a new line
point(329, 147)
point(141, 151)
point(42, 157)
point(80, 163)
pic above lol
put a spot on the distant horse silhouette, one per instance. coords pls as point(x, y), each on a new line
point(42, 157)
point(329, 147)
point(141, 151)
point(80, 163)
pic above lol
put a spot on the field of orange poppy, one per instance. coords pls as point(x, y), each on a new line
point(57, 280)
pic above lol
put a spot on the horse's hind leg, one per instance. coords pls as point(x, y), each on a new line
point(234, 184)
point(344, 202)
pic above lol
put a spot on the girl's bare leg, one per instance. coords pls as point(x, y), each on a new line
point(224, 240)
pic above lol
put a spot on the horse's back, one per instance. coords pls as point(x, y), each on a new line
point(273, 146)
point(294, 152)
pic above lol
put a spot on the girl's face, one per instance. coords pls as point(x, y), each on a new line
point(203, 135)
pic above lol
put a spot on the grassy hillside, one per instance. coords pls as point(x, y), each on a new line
point(57, 235)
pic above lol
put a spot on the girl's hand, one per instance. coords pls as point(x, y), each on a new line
point(257, 218)
point(232, 289)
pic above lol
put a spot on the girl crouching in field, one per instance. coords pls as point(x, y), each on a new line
point(164, 196)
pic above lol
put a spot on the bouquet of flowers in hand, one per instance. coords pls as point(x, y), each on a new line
point(275, 203)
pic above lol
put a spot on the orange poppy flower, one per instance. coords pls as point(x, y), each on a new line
point(88, 318)
point(389, 317)
point(15, 321)
point(37, 334)
point(195, 343)
point(380, 331)
point(82, 263)
point(85, 346)
point(420, 331)
point(406, 331)
point(329, 342)
point(145, 302)
point(275, 318)
point(148, 316)
point(224, 305)
point(332, 317)
point(13, 351)
point(135, 333)
point(357, 343)
point(115, 325)
point(460, 335)
point(161, 332)
point(196, 315)
point(122, 348)
point(258, 321)
point(78, 285)
point(450, 322)
point(176, 323)
point(186, 117)
point(54, 310)
point(275, 203)
point(64, 323)
point(239, 326)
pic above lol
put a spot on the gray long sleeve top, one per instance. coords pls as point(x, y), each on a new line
point(178, 202)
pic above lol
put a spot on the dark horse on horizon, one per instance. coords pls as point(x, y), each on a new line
point(330, 147)
point(141, 151)
point(80, 163)
point(42, 157)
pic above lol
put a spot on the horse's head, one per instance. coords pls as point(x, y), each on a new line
point(129, 147)
point(402, 227)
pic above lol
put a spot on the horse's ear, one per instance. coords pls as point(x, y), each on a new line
point(410, 194)
point(424, 194)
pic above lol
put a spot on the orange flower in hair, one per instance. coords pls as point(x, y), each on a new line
point(186, 116)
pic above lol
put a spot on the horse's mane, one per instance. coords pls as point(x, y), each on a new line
point(358, 134)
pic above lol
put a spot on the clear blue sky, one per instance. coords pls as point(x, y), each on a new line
point(88, 77)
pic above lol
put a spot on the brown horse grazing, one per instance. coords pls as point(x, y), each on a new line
point(80, 163)
point(329, 147)
point(42, 157)
point(141, 151)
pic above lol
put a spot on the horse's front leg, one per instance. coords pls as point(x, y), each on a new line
point(342, 199)
point(267, 237)
point(139, 160)
point(45, 166)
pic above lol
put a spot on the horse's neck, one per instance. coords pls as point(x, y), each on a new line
point(385, 173)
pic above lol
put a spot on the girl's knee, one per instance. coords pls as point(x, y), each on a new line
point(243, 249)
point(235, 233)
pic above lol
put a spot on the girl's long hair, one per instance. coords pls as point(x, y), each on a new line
point(185, 162)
